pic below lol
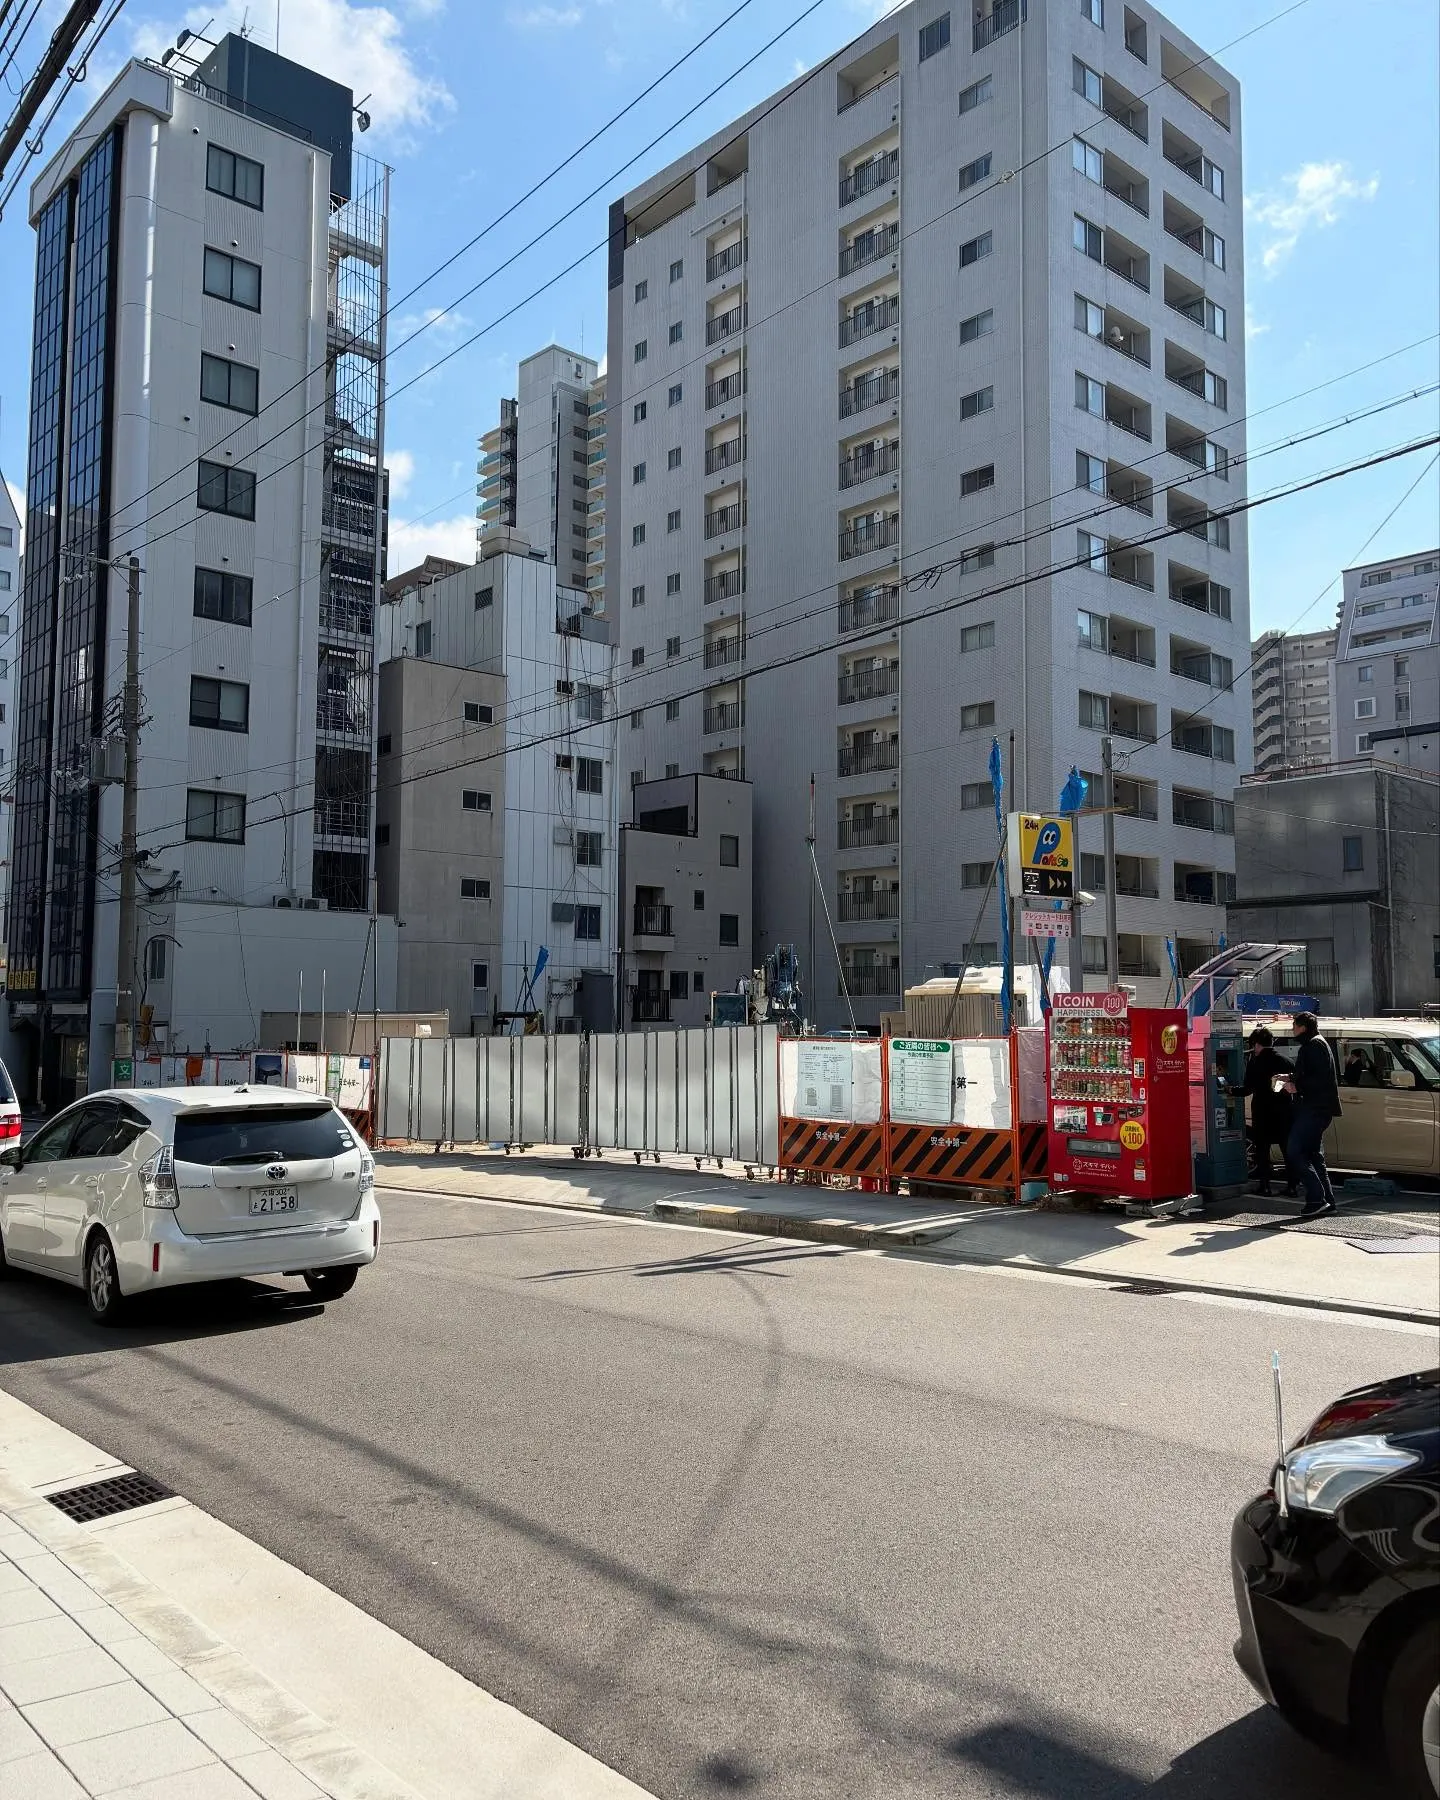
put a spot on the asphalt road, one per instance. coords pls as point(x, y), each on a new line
point(741, 1516)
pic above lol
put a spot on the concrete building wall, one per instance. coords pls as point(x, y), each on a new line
point(10, 612)
point(1387, 672)
point(553, 458)
point(1292, 681)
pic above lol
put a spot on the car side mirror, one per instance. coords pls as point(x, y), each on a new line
point(1401, 1078)
point(11, 1157)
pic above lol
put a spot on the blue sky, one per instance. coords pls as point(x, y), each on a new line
point(475, 100)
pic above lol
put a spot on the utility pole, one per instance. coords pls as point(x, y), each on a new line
point(1112, 930)
point(130, 709)
point(1077, 916)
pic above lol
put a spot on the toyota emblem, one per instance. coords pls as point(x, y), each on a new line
point(276, 1172)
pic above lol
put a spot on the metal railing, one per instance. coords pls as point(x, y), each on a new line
point(725, 586)
point(868, 684)
point(867, 982)
point(1004, 16)
point(653, 920)
point(729, 387)
point(860, 540)
point(1133, 118)
point(874, 315)
point(724, 325)
point(860, 907)
point(650, 1010)
point(1132, 494)
point(723, 519)
point(869, 247)
point(868, 758)
point(724, 456)
point(1312, 978)
point(728, 716)
point(723, 261)
point(869, 607)
point(869, 390)
point(722, 650)
point(866, 834)
point(867, 462)
point(865, 177)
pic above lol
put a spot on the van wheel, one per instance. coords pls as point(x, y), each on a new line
point(330, 1284)
point(1411, 1715)
point(102, 1281)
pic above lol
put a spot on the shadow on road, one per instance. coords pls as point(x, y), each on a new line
point(736, 1260)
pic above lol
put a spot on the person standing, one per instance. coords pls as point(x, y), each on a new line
point(1270, 1107)
point(1317, 1102)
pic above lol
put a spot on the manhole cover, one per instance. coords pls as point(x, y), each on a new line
point(116, 1494)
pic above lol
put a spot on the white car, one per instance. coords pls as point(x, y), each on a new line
point(9, 1109)
point(136, 1189)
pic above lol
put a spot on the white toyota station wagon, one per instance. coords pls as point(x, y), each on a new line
point(135, 1189)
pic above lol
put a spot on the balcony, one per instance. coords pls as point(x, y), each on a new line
point(728, 716)
point(872, 683)
point(872, 315)
point(857, 906)
point(869, 981)
point(1188, 373)
point(1132, 643)
point(1185, 154)
point(870, 534)
point(1190, 78)
point(1194, 662)
point(721, 651)
point(1198, 737)
point(1137, 877)
point(1202, 812)
point(1137, 799)
point(876, 242)
point(1136, 568)
point(723, 261)
point(728, 388)
point(1125, 184)
point(1196, 886)
point(1132, 719)
point(868, 833)
point(1195, 448)
point(725, 518)
point(868, 390)
point(875, 172)
point(650, 1009)
point(725, 456)
point(1197, 522)
point(1309, 978)
point(866, 461)
point(1130, 414)
point(720, 326)
point(342, 818)
point(1184, 226)
point(869, 756)
point(725, 586)
point(1139, 956)
point(1190, 587)
point(868, 607)
point(1126, 109)
point(1127, 488)
point(1190, 301)
point(652, 920)
point(1003, 17)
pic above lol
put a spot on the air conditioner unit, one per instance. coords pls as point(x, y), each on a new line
point(563, 834)
point(285, 900)
point(564, 687)
point(564, 762)
point(315, 906)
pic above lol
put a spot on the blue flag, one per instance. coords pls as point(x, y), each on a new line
point(997, 787)
point(1072, 798)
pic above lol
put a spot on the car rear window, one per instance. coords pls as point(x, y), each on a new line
point(257, 1133)
point(7, 1093)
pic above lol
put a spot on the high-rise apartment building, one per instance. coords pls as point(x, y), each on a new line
point(496, 471)
point(10, 537)
point(1387, 667)
point(926, 394)
point(1292, 692)
point(207, 395)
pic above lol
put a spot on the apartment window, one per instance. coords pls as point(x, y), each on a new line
point(587, 924)
point(677, 331)
point(979, 170)
point(981, 401)
point(637, 718)
point(1094, 11)
point(1090, 395)
point(479, 976)
point(1089, 472)
point(637, 535)
point(934, 37)
point(978, 637)
point(1402, 666)
point(1376, 577)
point(729, 850)
point(642, 289)
point(236, 177)
point(679, 984)
point(1352, 854)
point(974, 248)
point(225, 490)
point(978, 325)
point(637, 656)
point(699, 899)
point(219, 705)
point(672, 646)
point(638, 412)
point(677, 393)
point(1086, 160)
point(982, 712)
point(977, 94)
point(642, 350)
point(1086, 82)
point(484, 597)
point(729, 931)
point(383, 744)
point(1092, 630)
point(1215, 320)
point(980, 556)
point(590, 775)
point(231, 278)
point(475, 800)
point(156, 958)
point(637, 594)
point(1093, 957)
point(223, 596)
point(672, 582)
point(672, 710)
point(1089, 317)
point(1214, 248)
point(975, 874)
point(212, 818)
point(974, 795)
point(589, 849)
point(671, 771)
point(1365, 672)
point(424, 637)
point(1094, 711)
point(1362, 743)
point(7, 536)
point(476, 714)
point(975, 481)
point(473, 888)
point(1365, 709)
point(672, 520)
point(674, 458)
point(637, 474)
point(677, 270)
point(1089, 239)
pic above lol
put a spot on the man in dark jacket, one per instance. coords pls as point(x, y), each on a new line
point(1269, 1110)
point(1317, 1102)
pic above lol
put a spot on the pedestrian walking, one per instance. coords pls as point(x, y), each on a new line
point(1270, 1105)
point(1317, 1101)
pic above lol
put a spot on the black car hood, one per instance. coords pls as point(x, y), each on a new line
point(1405, 1406)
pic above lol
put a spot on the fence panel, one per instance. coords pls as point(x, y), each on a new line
point(567, 1090)
point(431, 1090)
point(694, 1135)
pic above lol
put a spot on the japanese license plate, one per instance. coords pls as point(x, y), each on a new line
point(274, 1200)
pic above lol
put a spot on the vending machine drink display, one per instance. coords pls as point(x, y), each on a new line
point(1119, 1098)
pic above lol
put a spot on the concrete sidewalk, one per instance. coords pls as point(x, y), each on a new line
point(1378, 1255)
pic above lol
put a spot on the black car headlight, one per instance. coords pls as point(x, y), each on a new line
point(1321, 1477)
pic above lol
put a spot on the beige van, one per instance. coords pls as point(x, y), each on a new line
point(1389, 1093)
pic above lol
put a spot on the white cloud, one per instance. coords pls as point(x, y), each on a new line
point(1313, 197)
point(546, 18)
point(411, 543)
point(401, 464)
point(1254, 328)
point(357, 44)
point(442, 327)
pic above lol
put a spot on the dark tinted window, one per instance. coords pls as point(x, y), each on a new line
point(93, 1132)
point(52, 1141)
point(7, 1093)
point(259, 1133)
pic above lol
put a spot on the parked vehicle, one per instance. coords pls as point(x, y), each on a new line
point(9, 1109)
point(131, 1190)
point(1337, 1580)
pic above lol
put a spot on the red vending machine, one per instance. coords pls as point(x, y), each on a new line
point(1119, 1098)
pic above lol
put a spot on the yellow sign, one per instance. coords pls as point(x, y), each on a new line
point(1041, 856)
point(1169, 1038)
point(1132, 1135)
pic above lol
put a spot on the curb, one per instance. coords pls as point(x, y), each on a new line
point(815, 1231)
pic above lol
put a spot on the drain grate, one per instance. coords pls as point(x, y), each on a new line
point(116, 1494)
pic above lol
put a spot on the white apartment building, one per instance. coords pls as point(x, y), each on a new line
point(207, 393)
point(1387, 668)
point(10, 570)
point(496, 802)
point(1292, 692)
point(926, 381)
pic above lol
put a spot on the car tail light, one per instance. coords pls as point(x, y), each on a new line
point(367, 1171)
point(9, 1128)
point(157, 1179)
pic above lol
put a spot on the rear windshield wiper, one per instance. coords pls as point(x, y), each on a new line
point(245, 1156)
